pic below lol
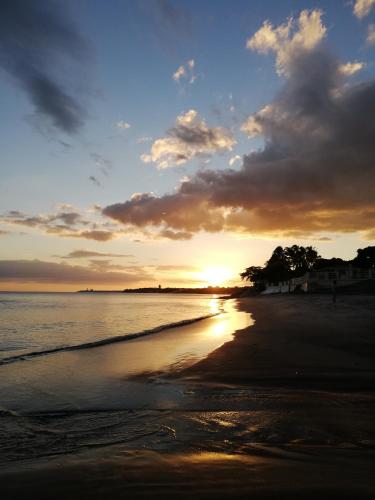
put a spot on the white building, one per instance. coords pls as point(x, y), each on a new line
point(322, 279)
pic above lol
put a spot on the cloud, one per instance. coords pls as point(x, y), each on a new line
point(185, 72)
point(64, 206)
point(103, 164)
point(88, 225)
point(97, 273)
point(175, 235)
point(96, 181)
point(36, 271)
point(64, 225)
point(61, 218)
point(15, 214)
point(106, 265)
point(370, 235)
point(69, 218)
point(84, 254)
point(290, 39)
point(179, 73)
point(190, 137)
point(371, 34)
point(39, 47)
point(96, 235)
point(122, 125)
point(362, 8)
point(233, 160)
point(350, 68)
point(315, 173)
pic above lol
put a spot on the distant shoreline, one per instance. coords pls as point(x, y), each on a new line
point(206, 290)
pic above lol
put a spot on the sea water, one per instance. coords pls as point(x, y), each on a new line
point(82, 371)
point(33, 323)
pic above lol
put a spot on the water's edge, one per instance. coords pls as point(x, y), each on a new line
point(111, 340)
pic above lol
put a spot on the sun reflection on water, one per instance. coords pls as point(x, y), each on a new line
point(215, 305)
point(219, 329)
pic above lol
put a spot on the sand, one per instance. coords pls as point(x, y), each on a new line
point(298, 341)
point(285, 410)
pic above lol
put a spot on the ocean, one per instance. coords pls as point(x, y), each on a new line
point(83, 371)
point(35, 323)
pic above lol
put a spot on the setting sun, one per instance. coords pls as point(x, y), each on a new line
point(216, 276)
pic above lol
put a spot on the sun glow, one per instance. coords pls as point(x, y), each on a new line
point(216, 276)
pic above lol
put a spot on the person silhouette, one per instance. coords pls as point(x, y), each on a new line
point(334, 291)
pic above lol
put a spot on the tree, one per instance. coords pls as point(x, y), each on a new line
point(283, 264)
point(255, 275)
point(301, 259)
point(334, 262)
point(365, 258)
point(277, 267)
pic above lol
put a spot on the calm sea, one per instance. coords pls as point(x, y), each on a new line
point(31, 323)
point(78, 399)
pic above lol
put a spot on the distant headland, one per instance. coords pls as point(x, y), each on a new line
point(222, 290)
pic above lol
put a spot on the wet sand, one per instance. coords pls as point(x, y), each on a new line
point(285, 410)
point(202, 475)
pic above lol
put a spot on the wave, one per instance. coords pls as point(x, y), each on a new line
point(111, 340)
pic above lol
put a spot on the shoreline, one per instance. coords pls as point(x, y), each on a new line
point(116, 375)
point(107, 341)
point(297, 341)
point(284, 410)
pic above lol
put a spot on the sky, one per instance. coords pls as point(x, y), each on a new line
point(177, 142)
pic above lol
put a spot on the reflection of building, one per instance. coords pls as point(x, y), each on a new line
point(322, 280)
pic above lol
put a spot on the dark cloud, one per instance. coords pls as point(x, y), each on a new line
point(36, 271)
point(175, 235)
point(103, 165)
point(96, 235)
point(15, 213)
point(83, 254)
point(101, 162)
point(96, 181)
point(37, 44)
point(66, 219)
point(316, 172)
point(69, 218)
point(63, 224)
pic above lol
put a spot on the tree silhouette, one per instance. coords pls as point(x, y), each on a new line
point(301, 259)
point(283, 264)
point(365, 258)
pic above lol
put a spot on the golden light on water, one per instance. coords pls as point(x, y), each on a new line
point(214, 305)
point(220, 328)
point(216, 276)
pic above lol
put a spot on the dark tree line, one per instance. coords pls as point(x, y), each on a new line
point(289, 262)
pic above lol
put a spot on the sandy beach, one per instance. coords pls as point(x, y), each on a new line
point(299, 341)
point(284, 410)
